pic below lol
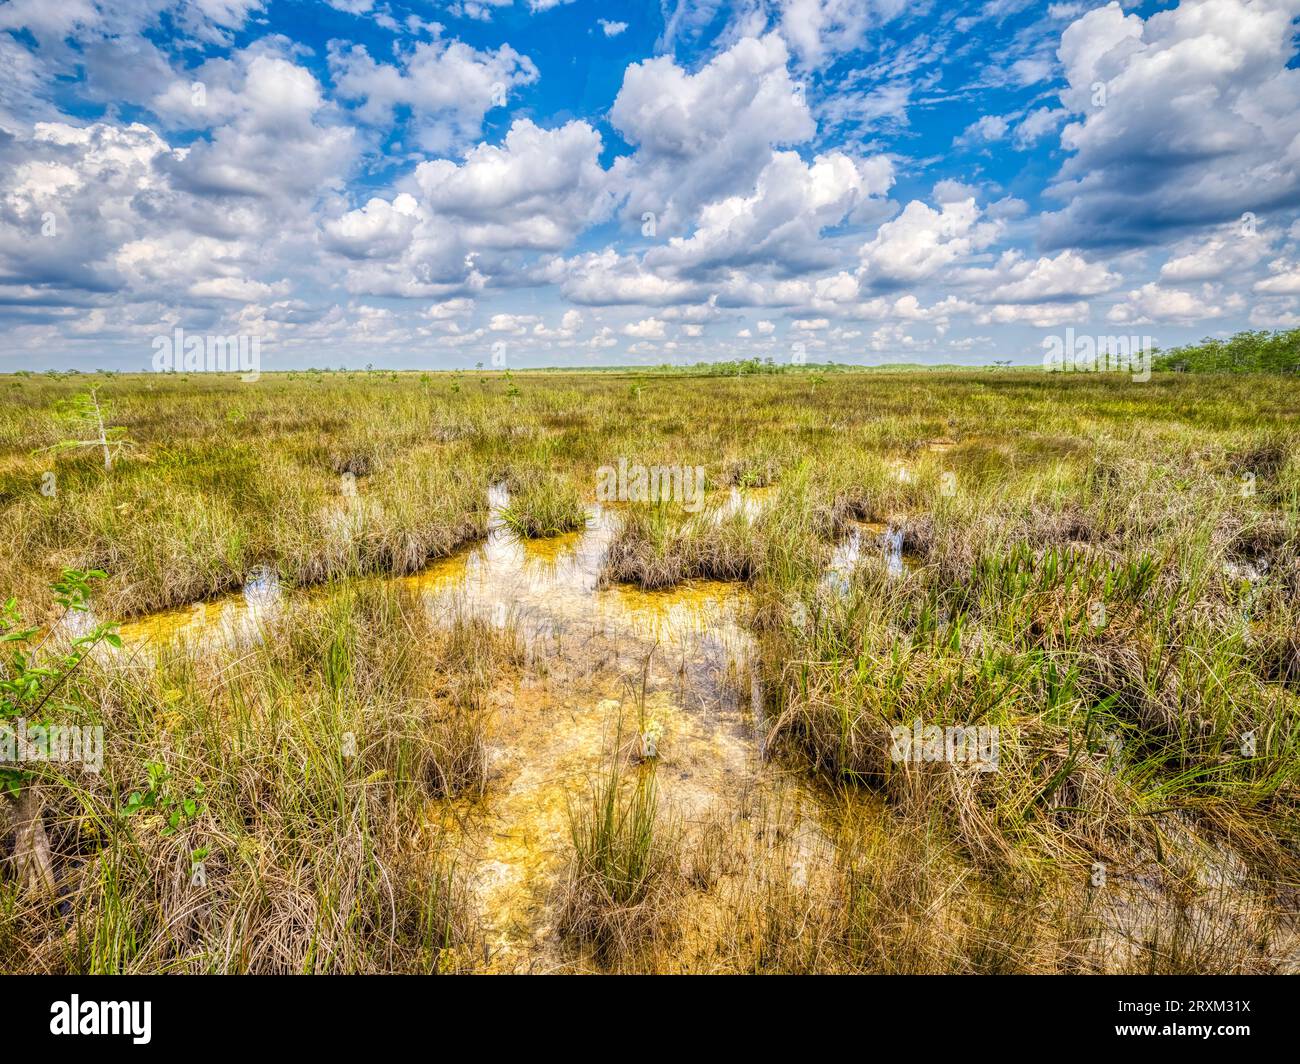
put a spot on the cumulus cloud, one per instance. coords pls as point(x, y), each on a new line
point(238, 289)
point(61, 184)
point(984, 129)
point(705, 136)
point(1066, 276)
point(538, 190)
point(461, 220)
point(645, 329)
point(781, 221)
point(1037, 125)
point(1022, 129)
point(279, 139)
point(104, 207)
point(1284, 280)
point(922, 240)
point(448, 86)
point(1043, 315)
point(360, 195)
point(1230, 250)
point(513, 324)
point(379, 229)
point(1186, 118)
point(449, 309)
point(607, 278)
point(571, 322)
point(821, 30)
point(1156, 303)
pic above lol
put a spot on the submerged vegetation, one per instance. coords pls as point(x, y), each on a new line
point(1102, 574)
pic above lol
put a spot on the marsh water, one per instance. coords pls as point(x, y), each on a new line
point(607, 665)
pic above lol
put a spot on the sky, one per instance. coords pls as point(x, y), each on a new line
point(527, 183)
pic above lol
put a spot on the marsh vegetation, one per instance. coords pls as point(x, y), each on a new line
point(396, 692)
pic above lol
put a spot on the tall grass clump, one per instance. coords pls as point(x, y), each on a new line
point(544, 506)
point(618, 893)
point(268, 811)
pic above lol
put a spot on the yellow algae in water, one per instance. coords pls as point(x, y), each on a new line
point(551, 549)
point(198, 620)
point(673, 613)
point(439, 575)
point(232, 615)
point(516, 840)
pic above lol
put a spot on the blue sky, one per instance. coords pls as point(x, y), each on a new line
point(548, 183)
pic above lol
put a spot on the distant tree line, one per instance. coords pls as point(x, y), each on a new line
point(1252, 351)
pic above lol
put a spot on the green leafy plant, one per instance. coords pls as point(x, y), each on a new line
point(35, 670)
point(160, 795)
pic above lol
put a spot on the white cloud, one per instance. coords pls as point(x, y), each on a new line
point(260, 202)
point(1155, 303)
point(454, 230)
point(513, 324)
point(983, 130)
point(1038, 124)
point(821, 30)
point(1041, 315)
point(705, 136)
point(239, 289)
point(279, 140)
point(921, 241)
point(538, 190)
point(1185, 118)
point(782, 219)
point(1067, 276)
point(607, 278)
point(1284, 281)
point(380, 229)
point(450, 309)
point(448, 87)
point(1230, 250)
point(122, 216)
point(646, 329)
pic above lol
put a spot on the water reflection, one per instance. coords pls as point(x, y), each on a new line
point(863, 539)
